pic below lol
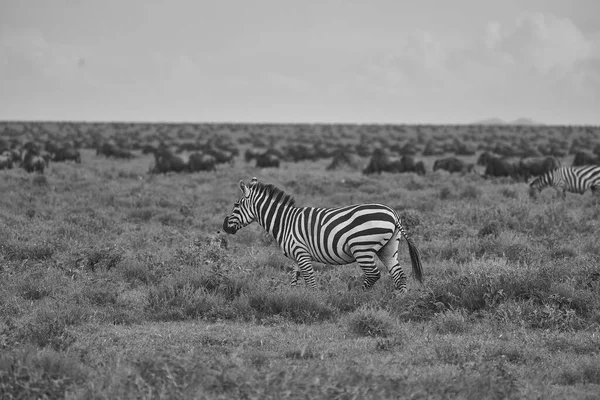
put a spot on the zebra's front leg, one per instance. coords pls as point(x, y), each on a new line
point(304, 267)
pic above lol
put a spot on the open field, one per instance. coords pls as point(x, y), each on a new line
point(110, 288)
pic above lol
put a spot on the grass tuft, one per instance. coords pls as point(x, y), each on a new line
point(371, 322)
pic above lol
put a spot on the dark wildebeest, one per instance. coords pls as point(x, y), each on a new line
point(252, 153)
point(14, 155)
point(452, 164)
point(585, 158)
point(535, 166)
point(33, 162)
point(300, 152)
point(111, 150)
point(497, 166)
point(267, 160)
point(381, 162)
point(201, 162)
point(344, 157)
point(222, 156)
point(66, 154)
point(6, 161)
point(165, 161)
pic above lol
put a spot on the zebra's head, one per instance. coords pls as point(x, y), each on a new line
point(538, 184)
point(243, 213)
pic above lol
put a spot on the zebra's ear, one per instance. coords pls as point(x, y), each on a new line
point(244, 189)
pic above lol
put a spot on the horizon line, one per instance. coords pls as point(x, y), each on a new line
point(216, 122)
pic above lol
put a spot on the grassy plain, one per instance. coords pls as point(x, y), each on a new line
point(110, 289)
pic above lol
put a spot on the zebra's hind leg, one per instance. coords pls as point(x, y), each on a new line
point(295, 275)
point(366, 261)
point(389, 257)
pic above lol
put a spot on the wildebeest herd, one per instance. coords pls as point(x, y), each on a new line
point(519, 152)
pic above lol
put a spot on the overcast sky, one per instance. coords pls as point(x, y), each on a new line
point(375, 61)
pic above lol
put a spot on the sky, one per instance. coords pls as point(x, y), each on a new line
point(307, 61)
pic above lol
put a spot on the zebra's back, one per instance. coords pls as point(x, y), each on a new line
point(334, 235)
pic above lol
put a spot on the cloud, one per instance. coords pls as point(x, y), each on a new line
point(542, 42)
point(536, 54)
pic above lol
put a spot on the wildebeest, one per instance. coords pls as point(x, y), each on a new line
point(201, 162)
point(111, 150)
point(165, 161)
point(300, 152)
point(220, 155)
point(585, 158)
point(344, 158)
point(535, 166)
point(452, 164)
point(66, 154)
point(497, 166)
point(6, 161)
point(267, 160)
point(252, 153)
point(33, 162)
point(382, 162)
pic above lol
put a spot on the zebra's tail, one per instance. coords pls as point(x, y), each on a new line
point(415, 255)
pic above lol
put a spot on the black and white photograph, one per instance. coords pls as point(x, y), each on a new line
point(285, 199)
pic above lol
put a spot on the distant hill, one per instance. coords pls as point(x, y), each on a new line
point(499, 121)
point(524, 121)
point(490, 121)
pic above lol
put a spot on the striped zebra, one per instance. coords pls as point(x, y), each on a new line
point(335, 236)
point(568, 179)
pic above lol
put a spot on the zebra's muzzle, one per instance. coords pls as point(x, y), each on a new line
point(229, 229)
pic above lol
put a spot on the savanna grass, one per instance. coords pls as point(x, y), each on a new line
point(107, 274)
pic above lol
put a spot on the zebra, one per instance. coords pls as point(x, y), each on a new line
point(568, 179)
point(335, 236)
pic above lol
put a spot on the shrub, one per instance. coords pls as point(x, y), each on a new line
point(28, 373)
point(22, 251)
point(492, 228)
point(371, 322)
point(299, 306)
point(105, 259)
point(445, 193)
point(452, 322)
point(509, 193)
point(586, 372)
point(141, 214)
point(470, 192)
point(134, 271)
point(48, 326)
point(33, 287)
point(192, 294)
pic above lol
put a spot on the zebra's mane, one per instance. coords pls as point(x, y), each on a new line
point(273, 192)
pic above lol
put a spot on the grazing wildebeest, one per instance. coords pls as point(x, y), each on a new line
point(33, 162)
point(585, 158)
point(221, 156)
point(535, 166)
point(252, 153)
point(111, 150)
point(6, 161)
point(267, 160)
point(452, 164)
point(381, 162)
point(66, 154)
point(344, 158)
point(497, 166)
point(201, 162)
point(165, 161)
